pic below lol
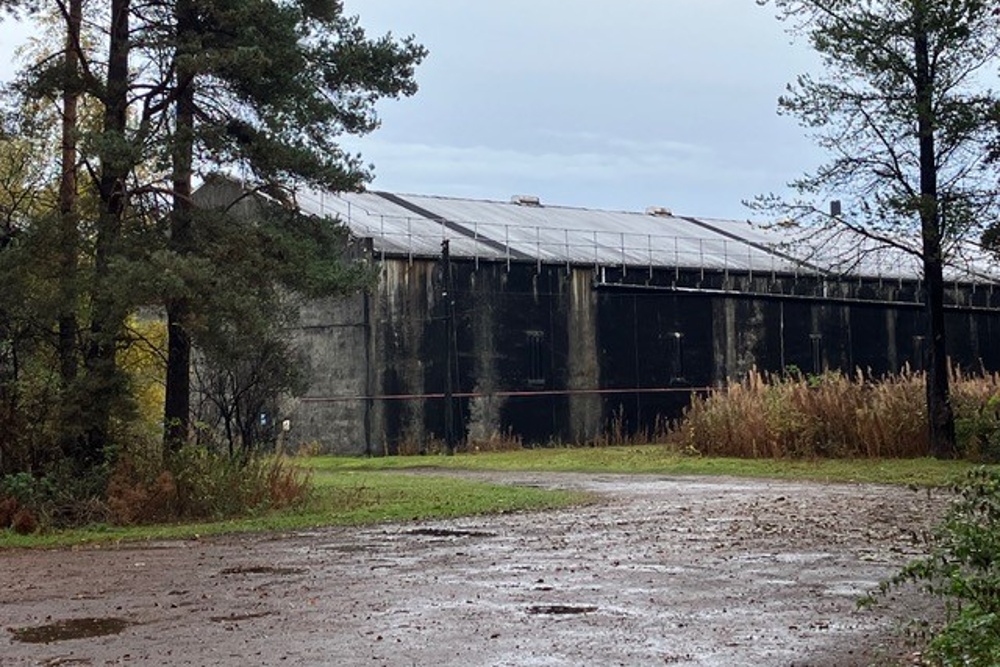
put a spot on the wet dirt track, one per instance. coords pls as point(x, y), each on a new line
point(662, 571)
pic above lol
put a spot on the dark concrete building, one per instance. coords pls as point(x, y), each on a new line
point(554, 324)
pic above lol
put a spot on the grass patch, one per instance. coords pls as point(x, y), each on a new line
point(360, 491)
point(340, 498)
point(656, 459)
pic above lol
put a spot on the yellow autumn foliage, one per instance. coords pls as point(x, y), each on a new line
point(145, 363)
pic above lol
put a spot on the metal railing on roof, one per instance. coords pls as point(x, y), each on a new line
point(417, 236)
point(412, 236)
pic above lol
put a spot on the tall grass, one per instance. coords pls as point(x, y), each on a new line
point(836, 416)
point(196, 484)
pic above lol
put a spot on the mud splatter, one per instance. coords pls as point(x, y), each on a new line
point(235, 618)
point(73, 628)
point(558, 609)
point(264, 569)
point(449, 532)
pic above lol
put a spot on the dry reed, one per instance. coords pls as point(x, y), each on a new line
point(836, 416)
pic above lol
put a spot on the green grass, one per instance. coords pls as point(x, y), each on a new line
point(342, 498)
point(359, 491)
point(653, 459)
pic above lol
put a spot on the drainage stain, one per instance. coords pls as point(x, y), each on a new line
point(448, 532)
point(555, 609)
point(73, 628)
point(264, 569)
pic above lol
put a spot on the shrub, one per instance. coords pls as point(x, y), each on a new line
point(8, 507)
point(963, 569)
point(198, 483)
point(24, 521)
point(60, 497)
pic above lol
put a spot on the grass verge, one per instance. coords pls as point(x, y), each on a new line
point(340, 498)
point(654, 459)
point(358, 491)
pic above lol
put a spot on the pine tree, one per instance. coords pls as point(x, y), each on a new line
point(904, 111)
point(271, 87)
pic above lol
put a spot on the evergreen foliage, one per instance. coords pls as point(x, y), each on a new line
point(98, 222)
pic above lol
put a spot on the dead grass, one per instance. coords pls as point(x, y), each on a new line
point(198, 484)
point(836, 416)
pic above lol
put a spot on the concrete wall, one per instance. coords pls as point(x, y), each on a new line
point(331, 335)
point(532, 344)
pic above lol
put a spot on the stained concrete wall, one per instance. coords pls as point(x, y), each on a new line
point(556, 354)
point(586, 418)
point(331, 337)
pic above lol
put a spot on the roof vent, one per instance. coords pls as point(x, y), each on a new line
point(526, 200)
point(659, 211)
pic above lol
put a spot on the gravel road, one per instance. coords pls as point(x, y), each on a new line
point(660, 571)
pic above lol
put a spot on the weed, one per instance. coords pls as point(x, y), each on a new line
point(24, 521)
point(963, 570)
point(495, 442)
point(198, 483)
point(835, 416)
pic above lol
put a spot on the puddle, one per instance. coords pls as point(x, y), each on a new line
point(449, 532)
point(74, 628)
point(557, 609)
point(264, 569)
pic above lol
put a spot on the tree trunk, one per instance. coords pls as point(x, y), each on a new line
point(69, 235)
point(107, 319)
point(939, 411)
point(177, 406)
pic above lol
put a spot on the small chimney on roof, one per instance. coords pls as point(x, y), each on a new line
point(526, 200)
point(659, 211)
point(835, 208)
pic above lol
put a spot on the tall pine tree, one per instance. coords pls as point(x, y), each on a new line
point(904, 107)
point(269, 87)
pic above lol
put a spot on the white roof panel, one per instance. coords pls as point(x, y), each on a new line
point(417, 224)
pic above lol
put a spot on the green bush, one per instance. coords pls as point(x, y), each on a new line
point(977, 426)
point(60, 497)
point(963, 569)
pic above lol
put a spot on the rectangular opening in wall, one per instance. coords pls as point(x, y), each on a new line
point(536, 358)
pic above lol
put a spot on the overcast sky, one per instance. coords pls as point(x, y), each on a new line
point(587, 103)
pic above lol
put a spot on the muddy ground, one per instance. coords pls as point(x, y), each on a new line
point(662, 571)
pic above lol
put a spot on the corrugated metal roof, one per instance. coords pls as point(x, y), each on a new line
point(415, 225)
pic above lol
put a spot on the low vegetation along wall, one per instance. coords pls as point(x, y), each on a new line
point(834, 415)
